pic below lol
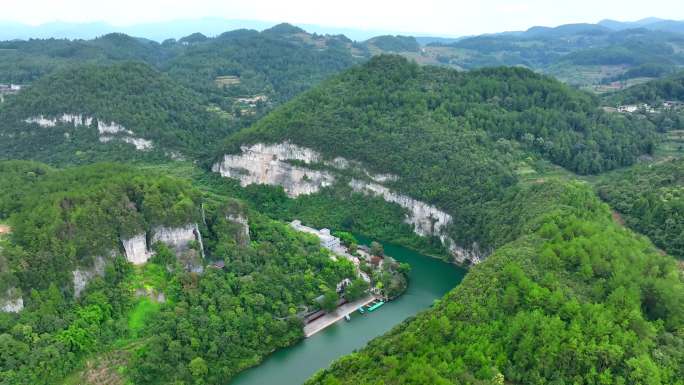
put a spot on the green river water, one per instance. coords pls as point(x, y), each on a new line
point(430, 279)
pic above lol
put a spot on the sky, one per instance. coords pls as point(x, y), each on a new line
point(422, 17)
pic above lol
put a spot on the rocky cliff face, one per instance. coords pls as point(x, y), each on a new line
point(75, 120)
point(109, 131)
point(267, 164)
point(136, 249)
point(82, 276)
point(243, 234)
point(427, 220)
point(177, 238)
point(12, 302)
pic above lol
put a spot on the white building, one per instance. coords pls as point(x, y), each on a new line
point(328, 240)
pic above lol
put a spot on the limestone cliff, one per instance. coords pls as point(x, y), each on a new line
point(83, 275)
point(12, 302)
point(242, 237)
point(267, 164)
point(75, 120)
point(108, 131)
point(136, 249)
point(427, 220)
point(177, 238)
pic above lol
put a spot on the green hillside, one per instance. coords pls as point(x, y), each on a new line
point(487, 167)
point(456, 140)
point(129, 318)
point(576, 300)
point(655, 92)
point(650, 198)
point(586, 55)
point(566, 294)
point(145, 102)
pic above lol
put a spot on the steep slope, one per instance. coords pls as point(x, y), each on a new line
point(26, 61)
point(564, 293)
point(64, 220)
point(650, 198)
point(95, 112)
point(576, 300)
point(452, 143)
point(77, 300)
point(279, 62)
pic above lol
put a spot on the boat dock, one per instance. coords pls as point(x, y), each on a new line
point(328, 319)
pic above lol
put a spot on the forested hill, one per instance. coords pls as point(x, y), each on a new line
point(392, 100)
point(655, 92)
point(89, 313)
point(587, 55)
point(650, 198)
point(179, 98)
point(136, 101)
point(577, 299)
point(278, 62)
point(455, 139)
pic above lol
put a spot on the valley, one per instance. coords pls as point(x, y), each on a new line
point(184, 212)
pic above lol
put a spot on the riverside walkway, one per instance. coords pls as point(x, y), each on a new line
point(334, 316)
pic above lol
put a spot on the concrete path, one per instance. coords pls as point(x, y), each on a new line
point(332, 317)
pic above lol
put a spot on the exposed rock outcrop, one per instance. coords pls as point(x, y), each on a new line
point(81, 277)
point(136, 249)
point(427, 220)
point(177, 238)
point(12, 302)
point(75, 120)
point(243, 234)
point(266, 164)
point(112, 128)
point(108, 132)
point(139, 143)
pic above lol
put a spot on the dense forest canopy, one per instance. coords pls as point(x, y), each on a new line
point(63, 219)
point(159, 318)
point(576, 300)
point(565, 295)
point(650, 198)
point(280, 61)
point(144, 101)
point(453, 138)
point(184, 96)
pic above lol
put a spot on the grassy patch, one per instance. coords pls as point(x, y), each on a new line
point(140, 314)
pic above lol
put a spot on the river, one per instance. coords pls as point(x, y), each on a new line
point(430, 279)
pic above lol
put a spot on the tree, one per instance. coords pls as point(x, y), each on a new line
point(198, 368)
point(356, 289)
point(329, 302)
point(377, 249)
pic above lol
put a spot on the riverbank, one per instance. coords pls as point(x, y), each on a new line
point(430, 279)
point(334, 316)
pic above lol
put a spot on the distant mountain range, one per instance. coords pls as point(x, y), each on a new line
point(651, 23)
point(176, 29)
point(164, 30)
